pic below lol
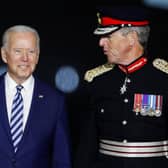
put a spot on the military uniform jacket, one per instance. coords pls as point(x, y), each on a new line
point(113, 116)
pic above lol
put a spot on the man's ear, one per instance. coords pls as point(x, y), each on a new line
point(132, 37)
point(3, 55)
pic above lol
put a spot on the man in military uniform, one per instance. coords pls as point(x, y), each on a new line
point(127, 123)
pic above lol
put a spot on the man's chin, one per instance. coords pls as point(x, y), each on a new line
point(111, 61)
point(24, 76)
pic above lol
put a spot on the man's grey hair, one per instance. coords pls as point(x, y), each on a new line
point(19, 28)
point(142, 32)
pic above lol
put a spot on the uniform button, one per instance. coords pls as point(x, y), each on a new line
point(129, 80)
point(102, 110)
point(124, 122)
point(124, 141)
point(126, 100)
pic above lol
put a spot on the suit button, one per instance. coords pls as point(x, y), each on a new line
point(13, 161)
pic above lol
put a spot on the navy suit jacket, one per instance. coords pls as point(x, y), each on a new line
point(45, 142)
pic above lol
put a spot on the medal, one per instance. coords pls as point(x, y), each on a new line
point(137, 103)
point(145, 106)
point(148, 104)
point(159, 101)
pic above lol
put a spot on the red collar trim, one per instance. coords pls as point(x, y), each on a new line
point(106, 21)
point(134, 66)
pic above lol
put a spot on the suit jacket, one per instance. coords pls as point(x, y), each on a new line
point(45, 142)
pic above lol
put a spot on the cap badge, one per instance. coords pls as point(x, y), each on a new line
point(98, 18)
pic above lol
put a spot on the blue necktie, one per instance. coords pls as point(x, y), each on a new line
point(16, 122)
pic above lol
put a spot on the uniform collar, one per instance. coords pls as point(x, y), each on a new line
point(134, 66)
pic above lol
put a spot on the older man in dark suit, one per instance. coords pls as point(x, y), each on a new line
point(33, 121)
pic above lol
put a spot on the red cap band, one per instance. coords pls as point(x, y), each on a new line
point(107, 21)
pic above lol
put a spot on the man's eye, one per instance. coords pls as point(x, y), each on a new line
point(17, 51)
point(31, 51)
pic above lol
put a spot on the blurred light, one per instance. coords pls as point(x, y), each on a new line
point(2, 69)
point(163, 4)
point(66, 79)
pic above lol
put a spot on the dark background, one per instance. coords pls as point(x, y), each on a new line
point(66, 31)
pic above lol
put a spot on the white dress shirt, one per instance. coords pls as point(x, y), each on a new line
point(27, 93)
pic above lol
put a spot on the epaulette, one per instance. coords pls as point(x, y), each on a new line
point(161, 64)
point(92, 73)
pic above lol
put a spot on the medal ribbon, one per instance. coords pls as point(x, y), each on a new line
point(137, 102)
point(159, 101)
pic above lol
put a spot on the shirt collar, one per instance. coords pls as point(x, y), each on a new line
point(11, 84)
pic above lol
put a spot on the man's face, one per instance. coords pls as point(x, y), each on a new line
point(21, 55)
point(116, 47)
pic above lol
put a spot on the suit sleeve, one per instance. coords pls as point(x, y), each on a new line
point(61, 151)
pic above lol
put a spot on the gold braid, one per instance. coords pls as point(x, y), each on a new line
point(161, 64)
point(91, 74)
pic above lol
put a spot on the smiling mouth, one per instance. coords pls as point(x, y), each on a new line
point(23, 66)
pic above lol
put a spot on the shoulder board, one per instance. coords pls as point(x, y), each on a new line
point(161, 64)
point(92, 73)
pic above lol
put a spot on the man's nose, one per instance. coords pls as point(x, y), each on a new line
point(25, 55)
point(102, 41)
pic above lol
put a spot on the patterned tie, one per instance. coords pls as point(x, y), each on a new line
point(16, 122)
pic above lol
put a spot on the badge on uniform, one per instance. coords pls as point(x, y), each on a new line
point(148, 104)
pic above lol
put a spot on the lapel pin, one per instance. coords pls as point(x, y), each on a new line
point(41, 96)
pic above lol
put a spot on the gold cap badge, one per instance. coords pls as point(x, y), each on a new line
point(98, 18)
